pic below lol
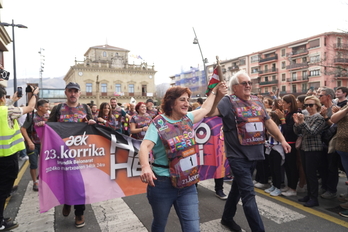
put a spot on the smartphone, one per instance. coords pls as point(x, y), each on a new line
point(19, 92)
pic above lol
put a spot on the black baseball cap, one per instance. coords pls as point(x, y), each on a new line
point(72, 85)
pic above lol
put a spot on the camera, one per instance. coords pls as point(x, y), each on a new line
point(5, 75)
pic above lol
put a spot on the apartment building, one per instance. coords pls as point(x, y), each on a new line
point(320, 60)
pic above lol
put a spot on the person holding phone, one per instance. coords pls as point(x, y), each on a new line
point(11, 142)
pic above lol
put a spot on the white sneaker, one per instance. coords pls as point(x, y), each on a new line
point(289, 193)
point(261, 186)
point(24, 158)
point(284, 189)
point(301, 190)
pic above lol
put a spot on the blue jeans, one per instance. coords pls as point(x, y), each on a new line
point(185, 201)
point(242, 187)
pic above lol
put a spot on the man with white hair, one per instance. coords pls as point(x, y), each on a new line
point(244, 120)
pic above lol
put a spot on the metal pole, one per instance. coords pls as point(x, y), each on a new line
point(14, 62)
point(199, 46)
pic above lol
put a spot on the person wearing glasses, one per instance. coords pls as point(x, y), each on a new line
point(310, 128)
point(328, 171)
point(244, 120)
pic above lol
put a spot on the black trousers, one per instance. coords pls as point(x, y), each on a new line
point(311, 161)
point(8, 174)
point(290, 166)
point(328, 170)
point(79, 209)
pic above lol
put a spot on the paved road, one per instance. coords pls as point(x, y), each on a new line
point(133, 213)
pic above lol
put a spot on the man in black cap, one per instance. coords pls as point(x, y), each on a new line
point(150, 109)
point(72, 111)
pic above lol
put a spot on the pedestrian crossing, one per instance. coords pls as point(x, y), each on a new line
point(115, 215)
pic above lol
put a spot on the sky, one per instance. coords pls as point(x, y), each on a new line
point(159, 31)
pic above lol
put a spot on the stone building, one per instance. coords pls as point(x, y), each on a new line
point(106, 73)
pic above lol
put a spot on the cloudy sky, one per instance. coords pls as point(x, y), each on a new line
point(160, 31)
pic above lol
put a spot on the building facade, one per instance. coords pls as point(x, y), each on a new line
point(4, 41)
point(194, 79)
point(320, 60)
point(106, 73)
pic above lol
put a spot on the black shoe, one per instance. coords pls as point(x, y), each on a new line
point(220, 194)
point(311, 203)
point(232, 225)
point(6, 226)
point(304, 199)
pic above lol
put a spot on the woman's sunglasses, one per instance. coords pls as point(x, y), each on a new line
point(310, 105)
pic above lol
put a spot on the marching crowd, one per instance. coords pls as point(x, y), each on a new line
point(295, 144)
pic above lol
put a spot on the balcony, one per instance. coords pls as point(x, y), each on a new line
point(268, 59)
point(341, 46)
point(343, 76)
point(268, 71)
point(297, 79)
point(298, 52)
point(340, 60)
point(233, 68)
point(297, 66)
point(274, 82)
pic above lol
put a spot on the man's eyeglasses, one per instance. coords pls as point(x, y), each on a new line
point(321, 95)
point(245, 83)
point(310, 105)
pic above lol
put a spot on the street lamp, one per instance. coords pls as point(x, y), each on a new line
point(42, 66)
point(205, 60)
point(14, 52)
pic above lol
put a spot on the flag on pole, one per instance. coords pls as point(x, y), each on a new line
point(214, 80)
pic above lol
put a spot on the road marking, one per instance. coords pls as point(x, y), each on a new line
point(115, 215)
point(29, 217)
point(272, 211)
point(308, 210)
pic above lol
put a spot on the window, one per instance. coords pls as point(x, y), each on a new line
point(266, 79)
point(283, 65)
point(254, 69)
point(314, 59)
point(118, 88)
point(242, 62)
point(304, 60)
point(266, 89)
point(266, 68)
point(254, 59)
point(304, 75)
point(103, 88)
point(283, 52)
point(104, 54)
point(283, 88)
point(274, 78)
point(283, 77)
point(131, 88)
point(294, 88)
point(314, 43)
point(274, 89)
point(304, 87)
point(294, 76)
point(315, 72)
point(89, 87)
point(339, 83)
